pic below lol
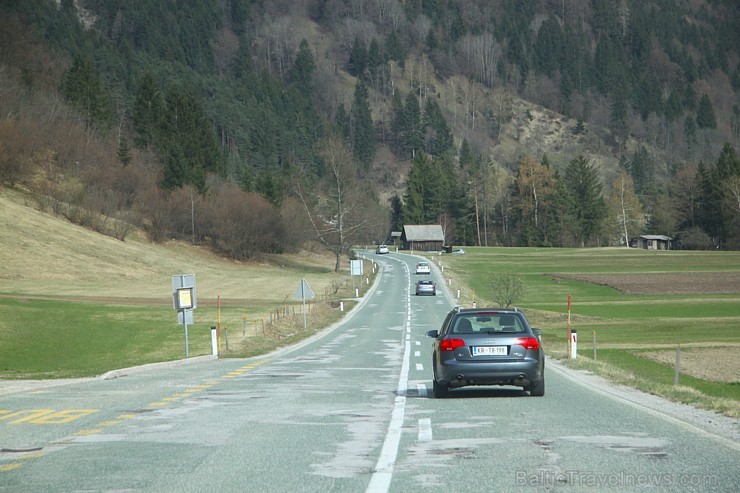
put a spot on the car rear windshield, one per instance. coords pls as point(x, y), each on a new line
point(487, 323)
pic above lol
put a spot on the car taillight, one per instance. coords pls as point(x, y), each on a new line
point(451, 344)
point(530, 343)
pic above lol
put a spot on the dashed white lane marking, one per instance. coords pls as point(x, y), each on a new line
point(417, 354)
point(421, 389)
point(419, 367)
point(425, 430)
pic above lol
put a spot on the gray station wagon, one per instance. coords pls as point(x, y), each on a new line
point(487, 346)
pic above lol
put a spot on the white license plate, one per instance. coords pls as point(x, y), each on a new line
point(489, 351)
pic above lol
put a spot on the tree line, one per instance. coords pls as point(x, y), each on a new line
point(212, 103)
point(481, 204)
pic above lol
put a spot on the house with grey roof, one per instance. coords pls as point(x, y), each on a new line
point(423, 237)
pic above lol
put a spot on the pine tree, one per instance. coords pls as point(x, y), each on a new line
point(709, 210)
point(303, 67)
point(364, 131)
point(642, 169)
point(689, 131)
point(398, 120)
point(342, 122)
point(189, 140)
point(412, 128)
point(705, 114)
point(588, 207)
point(83, 89)
point(124, 152)
point(548, 47)
point(357, 58)
point(148, 112)
point(439, 138)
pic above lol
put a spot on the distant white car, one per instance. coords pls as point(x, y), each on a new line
point(423, 268)
point(382, 249)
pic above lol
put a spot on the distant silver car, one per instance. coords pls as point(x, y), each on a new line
point(382, 249)
point(423, 268)
point(425, 286)
point(489, 346)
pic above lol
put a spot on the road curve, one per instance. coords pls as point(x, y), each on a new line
point(350, 410)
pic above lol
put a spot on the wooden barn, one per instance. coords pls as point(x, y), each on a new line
point(653, 242)
point(423, 237)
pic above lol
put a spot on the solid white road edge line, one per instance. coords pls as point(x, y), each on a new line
point(380, 482)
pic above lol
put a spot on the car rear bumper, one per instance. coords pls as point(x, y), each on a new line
point(454, 373)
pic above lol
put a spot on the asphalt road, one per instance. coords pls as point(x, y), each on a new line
point(350, 411)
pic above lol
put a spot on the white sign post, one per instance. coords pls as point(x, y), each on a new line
point(356, 269)
point(304, 292)
point(184, 301)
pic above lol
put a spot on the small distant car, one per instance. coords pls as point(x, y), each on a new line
point(487, 346)
point(458, 251)
point(426, 286)
point(382, 249)
point(423, 268)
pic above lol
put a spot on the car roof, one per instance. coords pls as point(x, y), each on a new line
point(486, 310)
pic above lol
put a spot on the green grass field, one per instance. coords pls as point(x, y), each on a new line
point(623, 325)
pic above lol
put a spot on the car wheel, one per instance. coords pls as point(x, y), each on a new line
point(439, 390)
point(537, 389)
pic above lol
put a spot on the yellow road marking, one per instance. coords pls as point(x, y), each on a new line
point(109, 423)
point(33, 456)
point(88, 432)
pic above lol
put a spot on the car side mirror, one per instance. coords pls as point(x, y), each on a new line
point(537, 332)
point(433, 334)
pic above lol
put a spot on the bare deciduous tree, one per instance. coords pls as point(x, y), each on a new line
point(625, 209)
point(335, 210)
point(506, 289)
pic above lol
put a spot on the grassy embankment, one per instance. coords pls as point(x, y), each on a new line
point(74, 303)
point(636, 334)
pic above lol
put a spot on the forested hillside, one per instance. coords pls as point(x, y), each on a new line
point(255, 126)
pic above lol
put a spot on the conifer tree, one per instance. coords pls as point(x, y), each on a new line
point(357, 58)
point(83, 89)
point(412, 128)
point(705, 114)
point(148, 112)
point(303, 67)
point(588, 207)
point(439, 140)
point(364, 131)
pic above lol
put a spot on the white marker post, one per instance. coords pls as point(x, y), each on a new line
point(214, 341)
point(573, 344)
